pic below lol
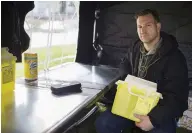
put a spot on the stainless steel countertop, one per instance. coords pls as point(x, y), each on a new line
point(93, 77)
point(35, 109)
point(38, 110)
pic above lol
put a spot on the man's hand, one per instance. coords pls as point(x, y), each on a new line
point(145, 123)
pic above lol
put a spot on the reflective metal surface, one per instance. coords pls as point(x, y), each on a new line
point(34, 109)
point(37, 110)
point(93, 77)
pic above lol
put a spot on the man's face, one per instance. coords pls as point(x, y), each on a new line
point(147, 28)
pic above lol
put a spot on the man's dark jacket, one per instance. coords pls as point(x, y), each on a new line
point(169, 70)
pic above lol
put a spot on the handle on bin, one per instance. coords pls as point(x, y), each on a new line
point(146, 93)
point(129, 89)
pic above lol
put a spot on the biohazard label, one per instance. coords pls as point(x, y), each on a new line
point(7, 74)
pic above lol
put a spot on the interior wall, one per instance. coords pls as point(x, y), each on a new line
point(85, 35)
point(117, 28)
point(13, 34)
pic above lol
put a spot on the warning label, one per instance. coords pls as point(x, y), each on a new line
point(7, 74)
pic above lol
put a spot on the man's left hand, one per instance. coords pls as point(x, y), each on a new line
point(145, 123)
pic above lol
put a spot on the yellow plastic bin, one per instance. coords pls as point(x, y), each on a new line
point(133, 100)
point(8, 62)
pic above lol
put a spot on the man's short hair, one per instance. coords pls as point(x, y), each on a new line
point(153, 12)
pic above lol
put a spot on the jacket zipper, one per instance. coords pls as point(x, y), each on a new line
point(151, 65)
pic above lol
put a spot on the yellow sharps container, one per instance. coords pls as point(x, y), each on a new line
point(130, 100)
point(8, 62)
